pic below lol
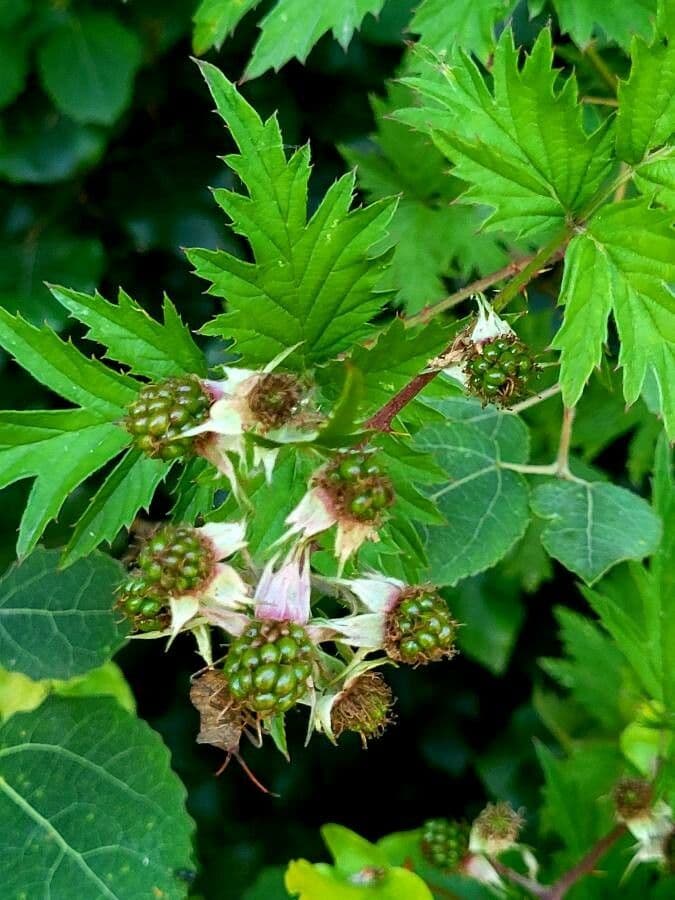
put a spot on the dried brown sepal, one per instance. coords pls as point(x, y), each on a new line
point(364, 707)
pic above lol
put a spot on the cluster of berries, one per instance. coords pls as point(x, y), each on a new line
point(500, 370)
point(357, 486)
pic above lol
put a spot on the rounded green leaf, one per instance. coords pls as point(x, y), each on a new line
point(88, 67)
point(57, 623)
point(89, 806)
point(591, 527)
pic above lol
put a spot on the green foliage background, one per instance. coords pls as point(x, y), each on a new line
point(103, 179)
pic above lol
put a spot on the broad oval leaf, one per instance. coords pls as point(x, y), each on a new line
point(57, 623)
point(591, 526)
point(89, 806)
point(485, 505)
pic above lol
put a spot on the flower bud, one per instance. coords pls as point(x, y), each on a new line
point(363, 706)
point(496, 829)
point(162, 412)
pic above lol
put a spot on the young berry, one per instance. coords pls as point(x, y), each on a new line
point(445, 844)
point(163, 411)
point(269, 666)
point(176, 560)
point(357, 487)
point(500, 370)
point(145, 610)
point(363, 707)
point(275, 399)
point(419, 628)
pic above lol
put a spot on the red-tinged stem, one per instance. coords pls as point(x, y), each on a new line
point(585, 865)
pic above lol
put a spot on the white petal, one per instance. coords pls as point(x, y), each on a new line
point(321, 720)
point(225, 417)
point(350, 535)
point(482, 870)
point(312, 515)
point(227, 590)
point(488, 325)
point(268, 457)
point(226, 537)
point(236, 377)
point(182, 610)
point(378, 593)
point(363, 630)
point(284, 594)
point(215, 451)
point(234, 623)
point(457, 373)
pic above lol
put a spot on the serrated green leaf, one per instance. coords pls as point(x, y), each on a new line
point(484, 504)
point(521, 147)
point(577, 805)
point(100, 46)
point(655, 178)
point(32, 441)
point(462, 23)
point(591, 527)
point(292, 27)
point(433, 237)
point(589, 651)
point(214, 20)
point(57, 623)
point(130, 336)
point(89, 806)
point(646, 116)
point(622, 262)
point(398, 354)
point(581, 19)
point(128, 488)
point(61, 367)
point(313, 283)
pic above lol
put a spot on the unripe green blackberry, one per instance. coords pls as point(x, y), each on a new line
point(162, 411)
point(419, 628)
point(145, 610)
point(364, 707)
point(275, 399)
point(268, 667)
point(501, 370)
point(445, 844)
point(176, 560)
point(357, 486)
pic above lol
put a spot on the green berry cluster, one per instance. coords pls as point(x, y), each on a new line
point(275, 399)
point(420, 629)
point(445, 844)
point(145, 609)
point(363, 707)
point(501, 371)
point(357, 486)
point(269, 665)
point(164, 410)
point(176, 560)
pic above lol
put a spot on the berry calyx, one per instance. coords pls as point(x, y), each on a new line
point(419, 628)
point(364, 707)
point(145, 609)
point(633, 798)
point(357, 487)
point(275, 399)
point(164, 410)
point(176, 560)
point(500, 370)
point(445, 844)
point(269, 666)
